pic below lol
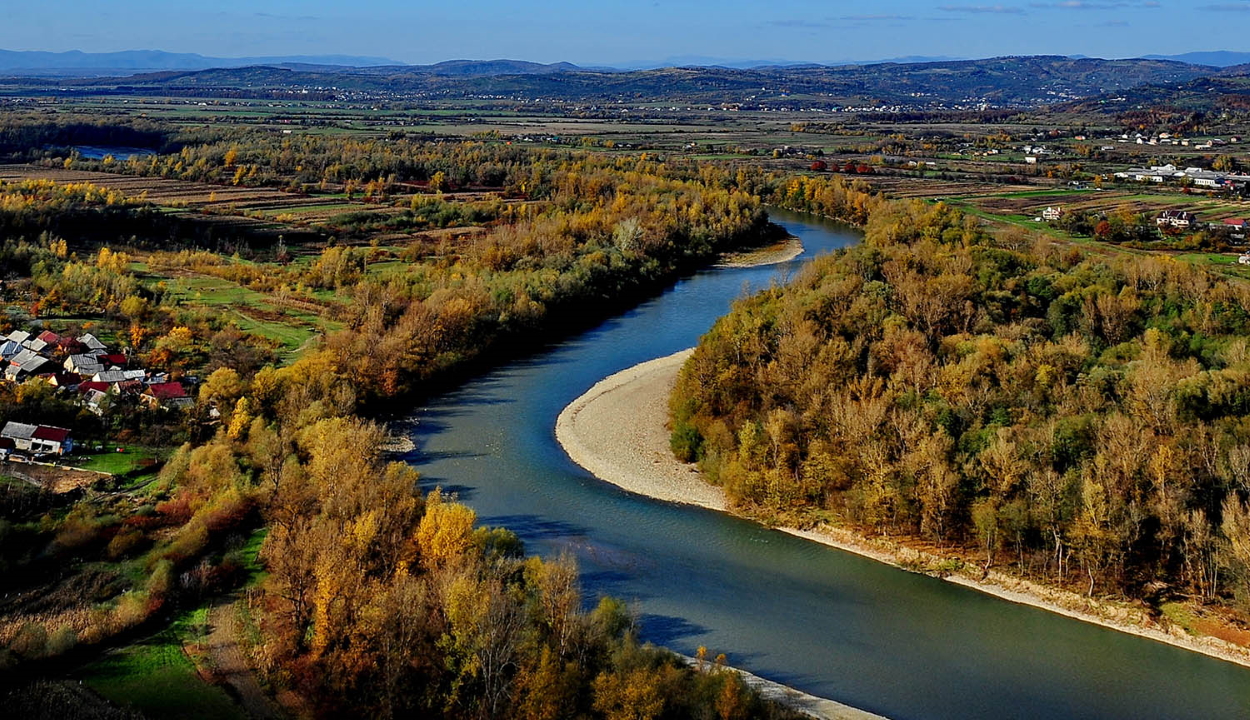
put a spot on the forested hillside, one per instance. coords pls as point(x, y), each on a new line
point(1080, 417)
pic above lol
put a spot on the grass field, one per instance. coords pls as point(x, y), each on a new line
point(155, 676)
point(120, 463)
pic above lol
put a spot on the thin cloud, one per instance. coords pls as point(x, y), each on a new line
point(1085, 5)
point(1226, 7)
point(876, 18)
point(830, 23)
point(800, 24)
point(983, 9)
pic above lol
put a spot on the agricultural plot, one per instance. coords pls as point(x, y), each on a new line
point(1031, 204)
point(246, 208)
point(290, 322)
point(159, 191)
point(912, 187)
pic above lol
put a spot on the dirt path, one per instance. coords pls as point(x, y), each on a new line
point(231, 664)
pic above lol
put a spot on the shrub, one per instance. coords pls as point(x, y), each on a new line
point(686, 442)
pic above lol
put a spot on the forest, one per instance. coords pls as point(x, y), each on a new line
point(366, 595)
point(1078, 417)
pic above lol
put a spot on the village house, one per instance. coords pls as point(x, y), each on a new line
point(93, 344)
point(92, 394)
point(35, 344)
point(1176, 219)
point(62, 379)
point(1052, 214)
point(170, 395)
point(110, 377)
point(1235, 227)
point(25, 364)
point(84, 364)
point(38, 439)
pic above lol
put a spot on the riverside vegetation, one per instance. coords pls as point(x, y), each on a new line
point(1078, 417)
point(364, 596)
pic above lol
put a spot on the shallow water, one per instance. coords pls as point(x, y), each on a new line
point(819, 619)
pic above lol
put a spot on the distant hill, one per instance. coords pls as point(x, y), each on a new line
point(753, 64)
point(1225, 91)
point(76, 62)
point(473, 68)
point(1003, 82)
point(1214, 58)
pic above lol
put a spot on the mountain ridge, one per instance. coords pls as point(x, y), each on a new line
point(1013, 81)
point(75, 62)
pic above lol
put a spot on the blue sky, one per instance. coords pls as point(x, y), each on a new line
point(618, 31)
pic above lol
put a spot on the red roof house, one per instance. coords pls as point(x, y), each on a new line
point(170, 394)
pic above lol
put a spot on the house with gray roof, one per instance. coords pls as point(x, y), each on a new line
point(93, 343)
point(25, 364)
point(35, 344)
point(39, 439)
point(83, 364)
point(112, 377)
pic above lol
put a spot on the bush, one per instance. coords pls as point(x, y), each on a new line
point(62, 641)
point(125, 542)
point(31, 641)
point(686, 442)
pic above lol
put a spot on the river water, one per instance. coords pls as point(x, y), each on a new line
point(819, 619)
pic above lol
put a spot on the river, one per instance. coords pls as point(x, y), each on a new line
point(827, 622)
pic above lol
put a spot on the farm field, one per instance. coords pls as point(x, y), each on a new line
point(288, 321)
point(1031, 203)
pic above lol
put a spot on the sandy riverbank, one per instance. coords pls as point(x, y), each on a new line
point(784, 251)
point(810, 705)
point(634, 455)
point(638, 459)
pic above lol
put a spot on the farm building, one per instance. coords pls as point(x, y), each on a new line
point(40, 439)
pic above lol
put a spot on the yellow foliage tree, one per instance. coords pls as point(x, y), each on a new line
point(445, 533)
